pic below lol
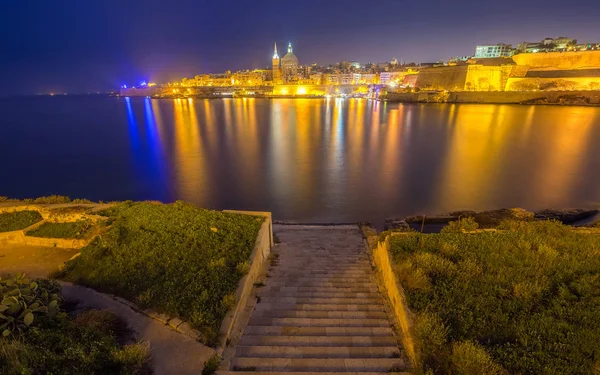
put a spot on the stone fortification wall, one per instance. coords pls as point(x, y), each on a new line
point(487, 78)
point(559, 60)
point(554, 84)
point(474, 77)
point(582, 73)
point(497, 97)
point(443, 78)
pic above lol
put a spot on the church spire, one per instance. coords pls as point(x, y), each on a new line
point(290, 47)
point(275, 55)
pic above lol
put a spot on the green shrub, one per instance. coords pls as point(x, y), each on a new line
point(82, 201)
point(469, 359)
point(167, 258)
point(528, 295)
point(134, 359)
point(85, 344)
point(430, 335)
point(52, 199)
point(26, 304)
point(73, 350)
point(101, 320)
point(212, 365)
point(461, 225)
point(77, 229)
point(18, 220)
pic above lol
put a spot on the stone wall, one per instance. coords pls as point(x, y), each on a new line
point(473, 77)
point(497, 97)
point(559, 60)
point(258, 261)
point(396, 296)
point(450, 78)
point(50, 216)
point(557, 83)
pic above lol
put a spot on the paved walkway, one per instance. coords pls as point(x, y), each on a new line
point(320, 311)
point(172, 352)
point(36, 261)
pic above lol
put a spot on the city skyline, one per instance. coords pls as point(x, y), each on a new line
point(95, 47)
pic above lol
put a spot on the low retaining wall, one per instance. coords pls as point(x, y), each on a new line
point(396, 296)
point(258, 259)
point(48, 216)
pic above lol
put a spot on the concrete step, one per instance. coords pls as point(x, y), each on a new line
point(319, 264)
point(317, 331)
point(323, 278)
point(317, 307)
point(317, 294)
point(323, 301)
point(317, 352)
point(292, 289)
point(318, 322)
point(319, 284)
point(309, 273)
point(310, 373)
point(320, 314)
point(314, 341)
point(323, 261)
point(317, 364)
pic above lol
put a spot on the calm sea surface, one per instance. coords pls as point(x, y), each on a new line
point(306, 160)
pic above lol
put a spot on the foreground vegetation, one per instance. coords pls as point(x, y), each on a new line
point(18, 220)
point(77, 229)
point(175, 259)
point(51, 199)
point(524, 301)
point(38, 337)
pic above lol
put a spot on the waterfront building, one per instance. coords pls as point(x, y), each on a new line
point(346, 79)
point(316, 78)
point(276, 67)
point(331, 79)
point(559, 44)
point(289, 66)
point(390, 78)
point(367, 79)
point(249, 77)
point(494, 50)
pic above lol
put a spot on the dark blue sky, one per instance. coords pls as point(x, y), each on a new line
point(90, 45)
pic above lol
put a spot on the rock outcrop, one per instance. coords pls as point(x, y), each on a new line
point(566, 216)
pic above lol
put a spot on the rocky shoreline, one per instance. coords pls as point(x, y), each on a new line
point(492, 218)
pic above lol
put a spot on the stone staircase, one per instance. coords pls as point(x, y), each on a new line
point(319, 310)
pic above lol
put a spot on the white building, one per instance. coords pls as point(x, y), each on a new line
point(494, 50)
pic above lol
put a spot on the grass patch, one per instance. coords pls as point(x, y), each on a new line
point(50, 199)
point(18, 220)
point(525, 300)
point(175, 259)
point(77, 229)
point(87, 343)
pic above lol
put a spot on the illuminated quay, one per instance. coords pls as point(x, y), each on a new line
point(552, 65)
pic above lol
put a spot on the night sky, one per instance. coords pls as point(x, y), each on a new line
point(97, 45)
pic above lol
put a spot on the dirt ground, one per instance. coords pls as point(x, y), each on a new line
point(35, 261)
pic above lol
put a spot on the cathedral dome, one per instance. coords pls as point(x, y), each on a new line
point(289, 60)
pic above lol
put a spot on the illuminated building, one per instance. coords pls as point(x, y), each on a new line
point(346, 79)
point(386, 78)
point(276, 67)
point(494, 50)
point(289, 66)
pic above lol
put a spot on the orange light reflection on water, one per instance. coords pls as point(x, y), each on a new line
point(190, 163)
